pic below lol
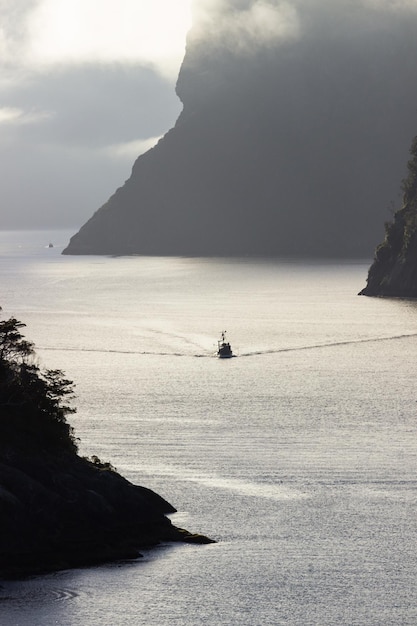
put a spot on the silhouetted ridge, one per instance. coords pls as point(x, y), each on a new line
point(394, 270)
point(293, 147)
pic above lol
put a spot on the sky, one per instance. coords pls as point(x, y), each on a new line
point(85, 87)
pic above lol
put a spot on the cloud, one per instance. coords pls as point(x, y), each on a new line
point(130, 150)
point(244, 25)
point(13, 28)
point(15, 116)
point(248, 25)
point(263, 22)
point(78, 31)
point(92, 105)
point(70, 135)
point(86, 85)
point(9, 114)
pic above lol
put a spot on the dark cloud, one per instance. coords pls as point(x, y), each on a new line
point(248, 25)
point(61, 155)
point(94, 105)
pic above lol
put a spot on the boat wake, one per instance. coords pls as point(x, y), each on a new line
point(332, 344)
point(64, 594)
point(205, 355)
point(103, 351)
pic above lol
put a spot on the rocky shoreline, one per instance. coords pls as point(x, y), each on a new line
point(64, 511)
point(57, 509)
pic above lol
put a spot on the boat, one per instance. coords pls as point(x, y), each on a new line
point(51, 245)
point(224, 350)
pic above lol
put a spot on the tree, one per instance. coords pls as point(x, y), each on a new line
point(13, 347)
point(32, 400)
point(409, 184)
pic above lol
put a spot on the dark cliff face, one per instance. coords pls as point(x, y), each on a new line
point(289, 147)
point(394, 270)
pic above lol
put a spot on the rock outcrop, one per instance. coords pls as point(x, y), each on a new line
point(290, 146)
point(394, 270)
point(60, 511)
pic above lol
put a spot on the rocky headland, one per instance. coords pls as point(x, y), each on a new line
point(57, 509)
point(394, 270)
point(291, 139)
point(61, 511)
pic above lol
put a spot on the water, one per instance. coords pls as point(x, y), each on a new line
point(299, 456)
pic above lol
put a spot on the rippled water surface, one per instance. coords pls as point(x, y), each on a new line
point(298, 456)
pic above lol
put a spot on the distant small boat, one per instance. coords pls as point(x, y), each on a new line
point(224, 349)
point(51, 245)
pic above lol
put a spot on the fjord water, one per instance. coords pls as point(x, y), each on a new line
point(298, 456)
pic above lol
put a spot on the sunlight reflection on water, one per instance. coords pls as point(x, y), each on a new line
point(298, 456)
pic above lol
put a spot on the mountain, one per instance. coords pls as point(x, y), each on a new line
point(394, 270)
point(291, 139)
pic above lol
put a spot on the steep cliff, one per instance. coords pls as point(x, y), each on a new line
point(289, 145)
point(394, 270)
